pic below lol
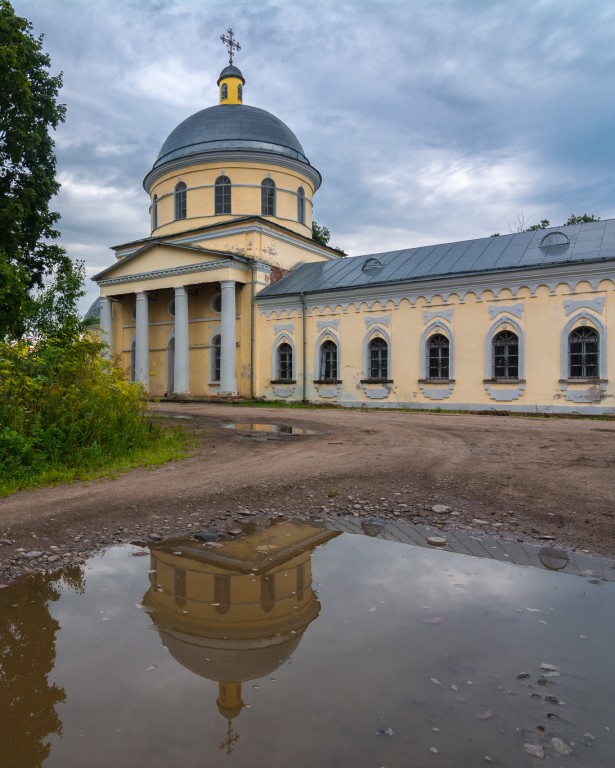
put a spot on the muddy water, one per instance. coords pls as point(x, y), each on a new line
point(302, 647)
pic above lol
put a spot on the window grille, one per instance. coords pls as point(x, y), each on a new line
point(328, 361)
point(285, 362)
point(583, 358)
point(438, 355)
point(222, 195)
point(301, 206)
point(505, 355)
point(224, 93)
point(378, 359)
point(240, 91)
point(215, 358)
point(155, 212)
point(267, 198)
point(180, 200)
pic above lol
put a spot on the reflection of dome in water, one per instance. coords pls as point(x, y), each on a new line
point(235, 613)
point(227, 662)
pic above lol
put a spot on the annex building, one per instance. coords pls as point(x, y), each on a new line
point(230, 294)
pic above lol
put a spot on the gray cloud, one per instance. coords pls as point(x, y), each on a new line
point(430, 122)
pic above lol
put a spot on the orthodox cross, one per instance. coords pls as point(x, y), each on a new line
point(230, 43)
point(228, 743)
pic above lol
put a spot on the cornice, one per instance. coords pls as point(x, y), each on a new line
point(551, 277)
point(187, 269)
point(229, 156)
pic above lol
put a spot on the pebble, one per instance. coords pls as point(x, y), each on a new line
point(155, 537)
point(535, 750)
point(561, 747)
point(33, 554)
point(437, 541)
point(440, 509)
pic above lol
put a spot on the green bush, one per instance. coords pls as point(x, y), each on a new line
point(64, 407)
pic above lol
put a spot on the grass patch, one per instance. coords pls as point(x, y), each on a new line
point(166, 444)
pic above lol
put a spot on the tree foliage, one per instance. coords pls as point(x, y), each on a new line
point(28, 112)
point(322, 235)
point(522, 224)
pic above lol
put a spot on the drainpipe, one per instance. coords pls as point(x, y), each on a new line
point(304, 309)
point(252, 310)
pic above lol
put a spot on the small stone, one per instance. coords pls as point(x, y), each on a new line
point(437, 541)
point(245, 512)
point(535, 750)
point(561, 747)
point(440, 509)
point(522, 675)
point(155, 536)
point(387, 731)
point(549, 667)
point(151, 668)
point(33, 554)
point(434, 750)
point(6, 542)
point(211, 535)
point(486, 714)
point(478, 521)
point(435, 681)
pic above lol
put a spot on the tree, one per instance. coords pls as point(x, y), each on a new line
point(583, 219)
point(322, 235)
point(28, 111)
point(522, 224)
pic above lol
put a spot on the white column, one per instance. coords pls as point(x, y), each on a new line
point(142, 341)
point(181, 371)
point(228, 342)
point(106, 328)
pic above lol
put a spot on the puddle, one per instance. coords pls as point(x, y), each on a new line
point(304, 646)
point(175, 416)
point(276, 429)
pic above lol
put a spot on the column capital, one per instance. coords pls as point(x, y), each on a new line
point(228, 283)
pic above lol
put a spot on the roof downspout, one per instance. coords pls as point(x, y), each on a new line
point(304, 321)
point(252, 310)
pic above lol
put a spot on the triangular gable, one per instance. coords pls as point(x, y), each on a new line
point(156, 256)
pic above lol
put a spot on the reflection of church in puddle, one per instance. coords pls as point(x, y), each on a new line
point(236, 612)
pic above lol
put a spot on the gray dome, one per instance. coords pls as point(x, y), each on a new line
point(231, 127)
point(231, 71)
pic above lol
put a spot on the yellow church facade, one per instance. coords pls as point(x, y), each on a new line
point(229, 294)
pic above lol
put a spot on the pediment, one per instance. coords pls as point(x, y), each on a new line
point(159, 256)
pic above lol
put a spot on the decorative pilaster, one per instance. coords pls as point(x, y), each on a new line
point(106, 327)
point(142, 341)
point(228, 342)
point(181, 372)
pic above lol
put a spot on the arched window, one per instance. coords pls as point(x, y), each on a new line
point(301, 206)
point(378, 359)
point(505, 355)
point(285, 362)
point(180, 200)
point(240, 91)
point(215, 358)
point(155, 212)
point(438, 356)
point(222, 593)
point(223, 195)
point(267, 591)
point(267, 197)
point(328, 361)
point(224, 92)
point(180, 587)
point(583, 354)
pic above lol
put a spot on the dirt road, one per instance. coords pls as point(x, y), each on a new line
point(525, 478)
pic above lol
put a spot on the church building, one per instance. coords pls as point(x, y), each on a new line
point(229, 294)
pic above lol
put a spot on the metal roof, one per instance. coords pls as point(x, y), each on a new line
point(231, 71)
point(592, 241)
point(231, 126)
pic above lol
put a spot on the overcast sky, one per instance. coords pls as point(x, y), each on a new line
point(430, 121)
